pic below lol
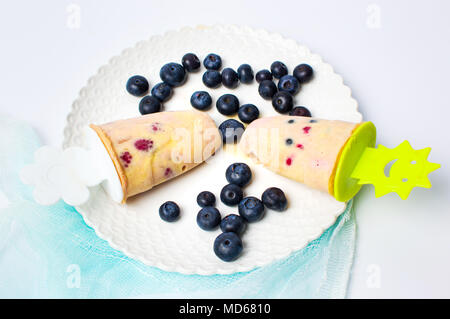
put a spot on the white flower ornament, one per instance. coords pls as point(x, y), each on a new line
point(62, 174)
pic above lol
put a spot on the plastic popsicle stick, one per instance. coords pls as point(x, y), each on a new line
point(70, 173)
point(410, 169)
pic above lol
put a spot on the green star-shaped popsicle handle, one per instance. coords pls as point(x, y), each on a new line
point(410, 169)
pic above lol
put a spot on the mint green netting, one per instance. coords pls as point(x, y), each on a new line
point(43, 249)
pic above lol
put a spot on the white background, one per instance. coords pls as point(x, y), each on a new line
point(395, 55)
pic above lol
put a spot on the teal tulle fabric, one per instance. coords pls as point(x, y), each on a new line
point(49, 252)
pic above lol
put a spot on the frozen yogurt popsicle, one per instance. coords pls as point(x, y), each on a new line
point(151, 149)
point(304, 149)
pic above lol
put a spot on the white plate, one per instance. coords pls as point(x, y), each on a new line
point(136, 228)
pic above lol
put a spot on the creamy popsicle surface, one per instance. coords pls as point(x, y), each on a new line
point(154, 148)
point(301, 148)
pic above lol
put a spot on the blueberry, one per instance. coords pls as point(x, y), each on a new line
point(289, 84)
point(263, 75)
point(300, 111)
point(190, 62)
point(231, 194)
point(201, 100)
point(274, 198)
point(233, 223)
point(212, 78)
point(208, 218)
point(212, 62)
point(206, 198)
point(245, 73)
point(229, 78)
point(227, 104)
point(231, 131)
point(228, 246)
point(149, 104)
point(137, 85)
point(267, 89)
point(251, 209)
point(173, 74)
point(162, 91)
point(248, 113)
point(239, 174)
point(303, 73)
point(169, 211)
point(282, 102)
point(278, 69)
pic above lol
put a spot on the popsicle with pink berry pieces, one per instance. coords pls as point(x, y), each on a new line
point(151, 149)
point(126, 157)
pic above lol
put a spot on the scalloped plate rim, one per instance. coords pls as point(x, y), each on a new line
point(200, 271)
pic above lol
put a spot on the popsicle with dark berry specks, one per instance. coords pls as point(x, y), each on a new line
point(301, 148)
point(336, 157)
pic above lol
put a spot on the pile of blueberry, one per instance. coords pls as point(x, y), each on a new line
point(228, 245)
point(212, 78)
point(228, 104)
point(174, 74)
point(288, 85)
